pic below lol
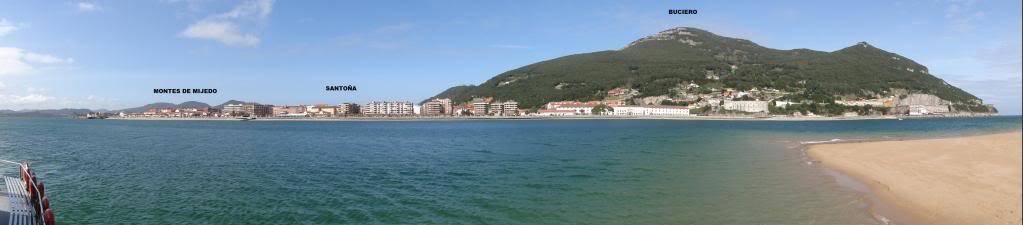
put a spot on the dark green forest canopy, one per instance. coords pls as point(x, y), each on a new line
point(658, 63)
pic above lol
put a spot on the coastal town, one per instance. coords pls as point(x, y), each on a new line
point(690, 101)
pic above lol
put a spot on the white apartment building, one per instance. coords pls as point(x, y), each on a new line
point(233, 109)
point(480, 107)
point(437, 107)
point(746, 106)
point(388, 108)
point(511, 108)
point(496, 108)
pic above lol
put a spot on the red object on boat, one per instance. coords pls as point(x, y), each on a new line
point(42, 191)
point(35, 196)
point(46, 203)
point(48, 217)
point(31, 191)
point(31, 180)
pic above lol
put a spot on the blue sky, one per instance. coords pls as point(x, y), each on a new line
point(111, 54)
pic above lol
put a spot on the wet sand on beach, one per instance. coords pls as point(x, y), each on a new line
point(962, 180)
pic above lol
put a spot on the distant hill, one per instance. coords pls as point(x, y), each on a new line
point(150, 106)
point(193, 104)
point(74, 112)
point(44, 113)
point(221, 106)
point(188, 104)
point(655, 64)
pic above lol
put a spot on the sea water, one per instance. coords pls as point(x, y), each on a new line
point(451, 172)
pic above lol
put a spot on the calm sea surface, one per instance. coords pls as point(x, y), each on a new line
point(450, 172)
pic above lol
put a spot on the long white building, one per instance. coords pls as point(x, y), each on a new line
point(650, 110)
point(580, 109)
point(388, 108)
point(746, 106)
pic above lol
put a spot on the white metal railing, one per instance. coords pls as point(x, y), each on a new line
point(39, 199)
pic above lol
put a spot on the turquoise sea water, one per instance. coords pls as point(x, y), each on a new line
point(450, 172)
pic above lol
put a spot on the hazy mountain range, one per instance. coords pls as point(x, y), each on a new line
point(74, 112)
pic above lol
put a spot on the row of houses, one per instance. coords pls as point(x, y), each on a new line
point(265, 110)
point(174, 112)
point(344, 109)
point(611, 107)
point(434, 107)
point(318, 110)
point(248, 110)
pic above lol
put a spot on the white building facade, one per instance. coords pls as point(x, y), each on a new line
point(746, 106)
point(388, 108)
point(650, 110)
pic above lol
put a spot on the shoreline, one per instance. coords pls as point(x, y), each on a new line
point(450, 118)
point(949, 180)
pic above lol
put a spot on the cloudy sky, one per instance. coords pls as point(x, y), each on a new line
point(111, 54)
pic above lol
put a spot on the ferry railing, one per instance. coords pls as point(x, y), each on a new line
point(39, 199)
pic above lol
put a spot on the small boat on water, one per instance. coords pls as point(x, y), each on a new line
point(24, 201)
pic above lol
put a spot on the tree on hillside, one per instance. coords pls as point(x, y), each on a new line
point(601, 110)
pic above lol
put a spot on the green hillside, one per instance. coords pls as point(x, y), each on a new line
point(656, 64)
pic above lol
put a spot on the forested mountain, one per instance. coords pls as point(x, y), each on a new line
point(164, 105)
point(655, 64)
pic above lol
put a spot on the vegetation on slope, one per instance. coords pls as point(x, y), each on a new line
point(656, 64)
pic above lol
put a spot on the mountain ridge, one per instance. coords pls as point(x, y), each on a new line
point(657, 63)
point(186, 104)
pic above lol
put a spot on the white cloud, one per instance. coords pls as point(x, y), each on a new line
point(19, 61)
point(21, 97)
point(45, 59)
point(258, 8)
point(31, 99)
point(224, 27)
point(396, 28)
point(388, 37)
point(992, 73)
point(999, 60)
point(223, 31)
point(8, 27)
point(87, 6)
point(962, 15)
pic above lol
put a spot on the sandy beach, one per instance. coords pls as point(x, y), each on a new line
point(964, 180)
